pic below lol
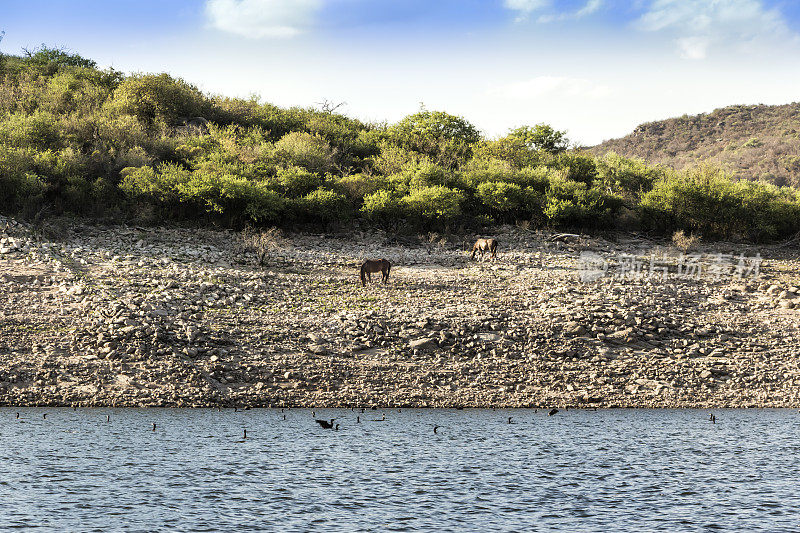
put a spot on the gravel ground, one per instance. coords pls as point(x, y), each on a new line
point(128, 316)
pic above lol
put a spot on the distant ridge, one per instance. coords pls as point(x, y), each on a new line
point(752, 141)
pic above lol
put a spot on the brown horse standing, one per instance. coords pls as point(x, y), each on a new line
point(375, 265)
point(483, 246)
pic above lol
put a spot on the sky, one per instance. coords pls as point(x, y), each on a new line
point(595, 68)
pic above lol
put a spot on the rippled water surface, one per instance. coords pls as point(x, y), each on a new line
point(613, 470)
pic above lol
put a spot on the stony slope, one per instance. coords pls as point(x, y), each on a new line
point(754, 142)
point(175, 317)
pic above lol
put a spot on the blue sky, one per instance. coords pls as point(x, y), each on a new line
point(595, 68)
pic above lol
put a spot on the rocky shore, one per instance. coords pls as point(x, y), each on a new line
point(129, 316)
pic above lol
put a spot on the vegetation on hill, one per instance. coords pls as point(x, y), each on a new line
point(758, 142)
point(98, 143)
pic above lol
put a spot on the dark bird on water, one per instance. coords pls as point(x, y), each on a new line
point(509, 419)
point(552, 412)
point(245, 433)
point(17, 415)
point(154, 426)
point(44, 415)
point(713, 418)
point(358, 420)
point(337, 427)
point(435, 428)
point(108, 418)
point(325, 424)
point(284, 417)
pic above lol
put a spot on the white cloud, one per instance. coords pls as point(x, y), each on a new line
point(699, 25)
point(552, 87)
point(258, 19)
point(526, 7)
point(590, 7)
point(693, 47)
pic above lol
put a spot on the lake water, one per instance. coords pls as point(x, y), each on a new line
point(609, 470)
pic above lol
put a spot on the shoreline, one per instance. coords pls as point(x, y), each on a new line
point(113, 316)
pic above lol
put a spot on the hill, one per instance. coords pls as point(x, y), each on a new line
point(151, 148)
point(753, 142)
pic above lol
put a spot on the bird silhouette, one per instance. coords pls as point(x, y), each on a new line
point(325, 424)
point(552, 412)
point(435, 428)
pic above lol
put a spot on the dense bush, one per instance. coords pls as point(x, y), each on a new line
point(573, 203)
point(435, 203)
point(158, 98)
point(98, 143)
point(305, 150)
point(709, 202)
point(627, 177)
point(382, 206)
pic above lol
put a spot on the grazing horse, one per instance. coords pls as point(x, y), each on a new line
point(375, 265)
point(483, 246)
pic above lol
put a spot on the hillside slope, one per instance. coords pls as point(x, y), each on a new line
point(754, 142)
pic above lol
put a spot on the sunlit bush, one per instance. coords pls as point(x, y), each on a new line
point(708, 201)
point(305, 150)
point(433, 203)
point(573, 203)
point(158, 98)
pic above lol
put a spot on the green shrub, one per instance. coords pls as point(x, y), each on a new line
point(433, 203)
point(708, 201)
point(483, 170)
point(572, 203)
point(627, 177)
point(541, 137)
point(358, 186)
point(296, 181)
point(382, 205)
point(324, 205)
point(39, 130)
point(501, 197)
point(427, 175)
point(446, 139)
point(162, 186)
point(579, 166)
point(305, 150)
point(508, 149)
point(158, 98)
point(393, 159)
point(20, 192)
